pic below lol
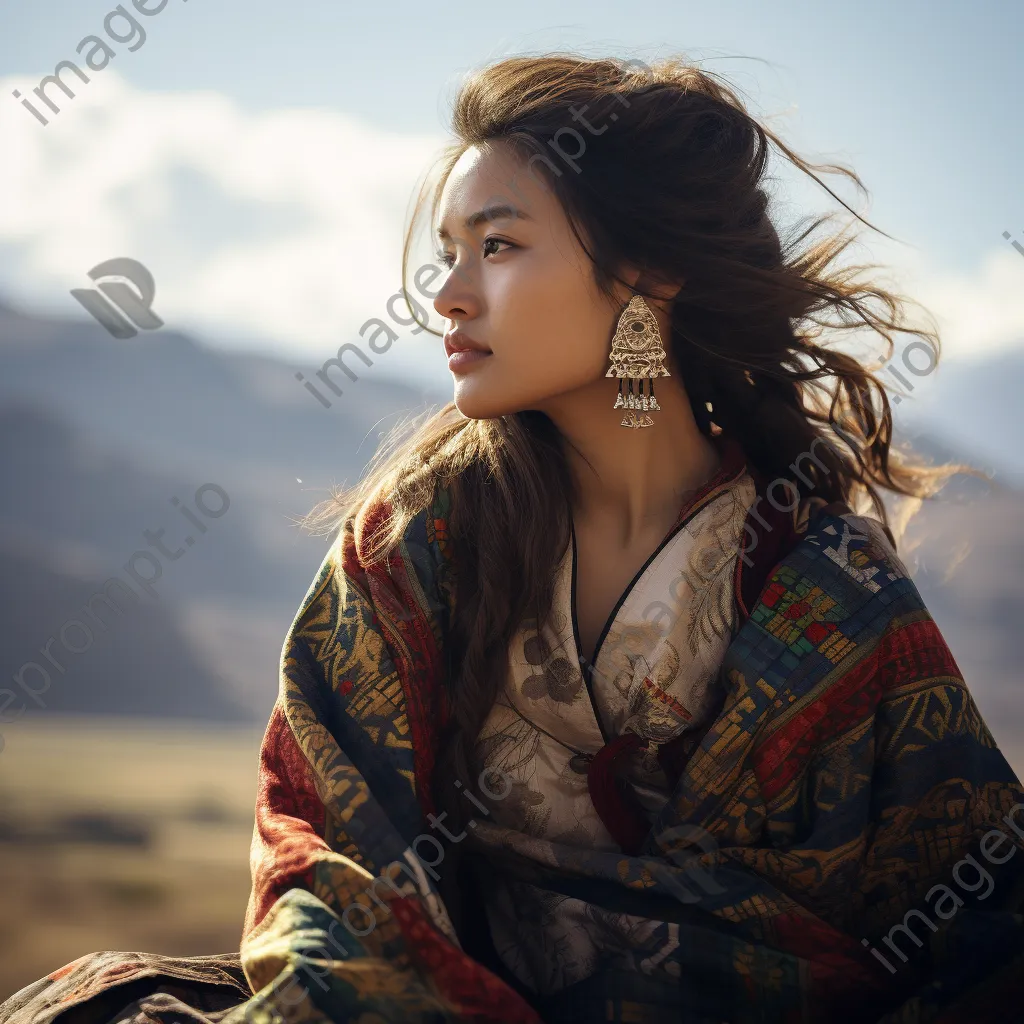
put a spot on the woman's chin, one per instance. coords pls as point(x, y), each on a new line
point(475, 407)
point(479, 400)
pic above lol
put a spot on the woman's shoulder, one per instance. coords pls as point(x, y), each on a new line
point(407, 551)
point(846, 551)
point(840, 595)
point(380, 572)
point(811, 537)
point(837, 527)
point(378, 530)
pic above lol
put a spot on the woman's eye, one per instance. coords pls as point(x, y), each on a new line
point(447, 259)
point(495, 241)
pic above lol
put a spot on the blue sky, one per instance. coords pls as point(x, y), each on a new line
point(259, 157)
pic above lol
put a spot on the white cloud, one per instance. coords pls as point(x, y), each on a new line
point(281, 229)
point(977, 313)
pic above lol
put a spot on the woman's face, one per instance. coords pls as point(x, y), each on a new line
point(520, 287)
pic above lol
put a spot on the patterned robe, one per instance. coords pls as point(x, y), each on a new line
point(656, 673)
point(837, 838)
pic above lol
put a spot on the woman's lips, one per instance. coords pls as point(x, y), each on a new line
point(463, 359)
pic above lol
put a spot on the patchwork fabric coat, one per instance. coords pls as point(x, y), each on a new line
point(839, 840)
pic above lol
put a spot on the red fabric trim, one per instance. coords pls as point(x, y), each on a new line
point(916, 650)
point(625, 821)
point(833, 951)
point(290, 819)
point(418, 661)
point(413, 646)
point(476, 993)
point(769, 534)
point(835, 962)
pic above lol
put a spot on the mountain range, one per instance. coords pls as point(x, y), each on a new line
point(103, 441)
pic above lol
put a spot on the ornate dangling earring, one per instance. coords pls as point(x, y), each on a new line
point(637, 353)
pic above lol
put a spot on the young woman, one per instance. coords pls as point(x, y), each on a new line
point(605, 705)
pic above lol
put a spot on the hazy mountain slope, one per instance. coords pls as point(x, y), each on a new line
point(975, 407)
point(968, 562)
point(136, 663)
point(98, 435)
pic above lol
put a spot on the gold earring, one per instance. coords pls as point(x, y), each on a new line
point(637, 353)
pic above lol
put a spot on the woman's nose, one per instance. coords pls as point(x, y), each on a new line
point(457, 298)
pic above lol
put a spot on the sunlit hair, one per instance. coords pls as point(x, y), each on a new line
point(678, 187)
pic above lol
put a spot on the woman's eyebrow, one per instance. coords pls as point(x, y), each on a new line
point(497, 212)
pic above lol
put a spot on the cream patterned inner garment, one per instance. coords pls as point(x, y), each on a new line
point(656, 673)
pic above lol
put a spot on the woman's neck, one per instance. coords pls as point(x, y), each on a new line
point(632, 482)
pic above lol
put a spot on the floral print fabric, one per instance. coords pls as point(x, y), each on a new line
point(656, 673)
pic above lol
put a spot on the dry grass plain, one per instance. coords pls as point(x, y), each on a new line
point(131, 835)
point(121, 834)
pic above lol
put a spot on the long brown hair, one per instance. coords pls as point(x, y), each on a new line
point(677, 184)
